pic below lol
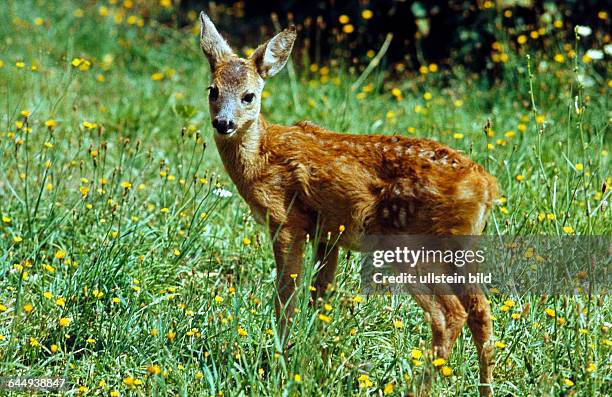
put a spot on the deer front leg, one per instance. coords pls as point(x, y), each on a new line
point(327, 258)
point(288, 252)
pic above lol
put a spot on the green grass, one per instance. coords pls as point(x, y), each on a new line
point(168, 285)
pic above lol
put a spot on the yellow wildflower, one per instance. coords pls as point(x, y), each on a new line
point(324, 318)
point(438, 362)
point(364, 381)
point(367, 14)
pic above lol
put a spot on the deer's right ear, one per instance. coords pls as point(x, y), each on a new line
point(270, 57)
point(213, 45)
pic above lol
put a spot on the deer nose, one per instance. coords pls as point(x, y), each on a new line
point(224, 126)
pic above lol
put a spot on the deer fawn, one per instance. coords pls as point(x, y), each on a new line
point(303, 177)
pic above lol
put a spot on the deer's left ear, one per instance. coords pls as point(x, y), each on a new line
point(270, 57)
point(212, 43)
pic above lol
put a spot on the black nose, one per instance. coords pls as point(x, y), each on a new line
point(223, 126)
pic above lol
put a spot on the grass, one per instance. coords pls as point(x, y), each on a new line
point(125, 268)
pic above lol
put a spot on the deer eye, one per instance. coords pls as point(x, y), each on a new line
point(213, 93)
point(248, 98)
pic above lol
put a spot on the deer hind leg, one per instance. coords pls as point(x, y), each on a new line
point(447, 317)
point(288, 251)
point(479, 321)
point(328, 261)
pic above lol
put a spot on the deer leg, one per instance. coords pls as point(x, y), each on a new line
point(328, 261)
point(454, 317)
point(447, 317)
point(288, 251)
point(479, 321)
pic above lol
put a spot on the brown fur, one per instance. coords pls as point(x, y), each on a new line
point(372, 184)
point(304, 178)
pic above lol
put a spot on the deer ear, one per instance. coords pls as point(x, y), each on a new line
point(270, 57)
point(212, 43)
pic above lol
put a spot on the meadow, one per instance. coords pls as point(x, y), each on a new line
point(130, 265)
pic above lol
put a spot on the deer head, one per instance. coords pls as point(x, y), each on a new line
point(237, 83)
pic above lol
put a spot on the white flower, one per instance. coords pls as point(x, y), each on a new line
point(586, 81)
point(223, 193)
point(576, 105)
point(584, 30)
point(608, 49)
point(543, 66)
point(595, 54)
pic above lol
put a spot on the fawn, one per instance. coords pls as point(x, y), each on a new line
point(303, 177)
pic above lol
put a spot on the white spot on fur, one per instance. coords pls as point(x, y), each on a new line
point(426, 154)
point(402, 217)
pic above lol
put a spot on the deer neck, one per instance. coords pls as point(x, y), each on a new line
point(241, 154)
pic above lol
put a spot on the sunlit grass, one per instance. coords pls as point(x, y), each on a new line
point(126, 268)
